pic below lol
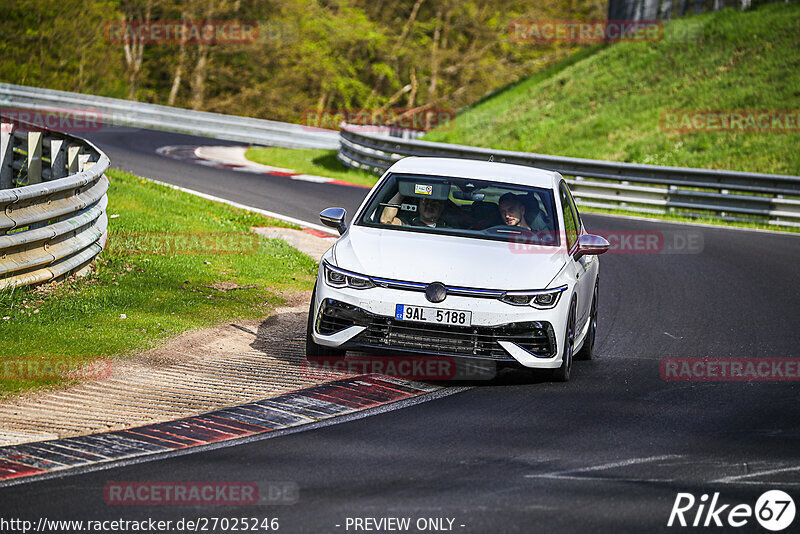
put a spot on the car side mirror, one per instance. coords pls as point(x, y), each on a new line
point(334, 217)
point(591, 245)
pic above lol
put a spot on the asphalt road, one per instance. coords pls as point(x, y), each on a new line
point(135, 150)
point(608, 451)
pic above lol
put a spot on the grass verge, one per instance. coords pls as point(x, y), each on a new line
point(609, 105)
point(140, 291)
point(318, 162)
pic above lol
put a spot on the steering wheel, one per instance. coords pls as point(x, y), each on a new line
point(507, 229)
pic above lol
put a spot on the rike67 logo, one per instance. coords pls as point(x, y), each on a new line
point(774, 510)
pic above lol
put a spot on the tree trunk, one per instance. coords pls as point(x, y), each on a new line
point(198, 82)
point(414, 86)
point(650, 11)
point(400, 40)
point(134, 53)
point(437, 36)
point(178, 75)
point(407, 27)
point(666, 9)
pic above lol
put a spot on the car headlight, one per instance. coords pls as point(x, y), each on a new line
point(340, 278)
point(543, 299)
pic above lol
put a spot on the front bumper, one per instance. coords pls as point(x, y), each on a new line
point(353, 319)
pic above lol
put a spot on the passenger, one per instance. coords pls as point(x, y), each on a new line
point(430, 210)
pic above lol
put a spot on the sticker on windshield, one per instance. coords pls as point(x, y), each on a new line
point(421, 189)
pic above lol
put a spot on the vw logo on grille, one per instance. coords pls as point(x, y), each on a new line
point(436, 292)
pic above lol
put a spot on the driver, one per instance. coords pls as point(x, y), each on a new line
point(430, 210)
point(512, 211)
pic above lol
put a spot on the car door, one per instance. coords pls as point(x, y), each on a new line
point(590, 264)
point(578, 268)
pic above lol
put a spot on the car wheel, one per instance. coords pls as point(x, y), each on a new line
point(587, 351)
point(313, 350)
point(562, 373)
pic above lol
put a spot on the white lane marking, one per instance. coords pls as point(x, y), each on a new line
point(738, 478)
point(584, 473)
point(311, 178)
point(576, 473)
point(614, 479)
point(670, 335)
point(272, 214)
point(235, 155)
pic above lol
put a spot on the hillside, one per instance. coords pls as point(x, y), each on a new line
point(609, 104)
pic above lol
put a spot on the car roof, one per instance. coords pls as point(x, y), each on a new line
point(479, 170)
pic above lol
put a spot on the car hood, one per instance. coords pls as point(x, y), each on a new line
point(454, 261)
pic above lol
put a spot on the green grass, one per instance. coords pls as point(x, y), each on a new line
point(318, 162)
point(608, 105)
point(161, 294)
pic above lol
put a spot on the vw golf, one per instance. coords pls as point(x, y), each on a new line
point(460, 258)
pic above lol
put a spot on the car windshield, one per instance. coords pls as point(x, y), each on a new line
point(464, 207)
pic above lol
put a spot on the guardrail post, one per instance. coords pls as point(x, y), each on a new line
point(71, 209)
point(34, 158)
point(58, 159)
point(82, 160)
point(6, 155)
point(72, 159)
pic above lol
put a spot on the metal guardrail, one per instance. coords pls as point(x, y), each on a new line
point(52, 205)
point(140, 114)
point(729, 195)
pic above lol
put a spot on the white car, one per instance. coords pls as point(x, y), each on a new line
point(460, 258)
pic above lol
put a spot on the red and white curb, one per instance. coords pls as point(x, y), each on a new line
point(294, 409)
point(233, 158)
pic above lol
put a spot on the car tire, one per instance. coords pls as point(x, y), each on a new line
point(562, 373)
point(314, 350)
point(587, 351)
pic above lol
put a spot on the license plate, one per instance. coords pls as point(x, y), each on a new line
point(423, 314)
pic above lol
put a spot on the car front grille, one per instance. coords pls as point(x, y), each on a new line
point(476, 341)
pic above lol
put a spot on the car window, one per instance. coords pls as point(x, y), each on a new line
point(574, 206)
point(570, 222)
point(464, 207)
